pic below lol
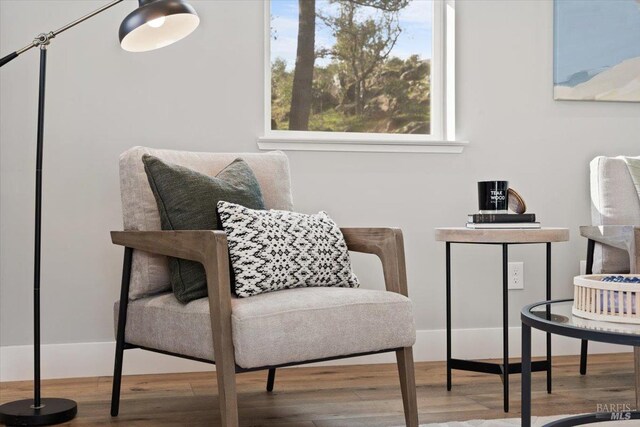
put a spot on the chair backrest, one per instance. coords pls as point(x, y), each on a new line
point(614, 201)
point(150, 273)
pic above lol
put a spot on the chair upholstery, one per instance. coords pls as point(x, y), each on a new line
point(150, 273)
point(614, 201)
point(280, 327)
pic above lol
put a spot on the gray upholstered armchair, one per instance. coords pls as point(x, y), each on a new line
point(267, 331)
point(614, 236)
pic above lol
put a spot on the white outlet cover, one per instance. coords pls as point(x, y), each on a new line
point(516, 273)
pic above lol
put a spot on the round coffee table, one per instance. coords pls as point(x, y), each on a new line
point(555, 317)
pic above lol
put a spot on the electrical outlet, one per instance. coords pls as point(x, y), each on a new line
point(516, 275)
point(583, 267)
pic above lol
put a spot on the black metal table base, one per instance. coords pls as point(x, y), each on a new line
point(506, 368)
point(495, 368)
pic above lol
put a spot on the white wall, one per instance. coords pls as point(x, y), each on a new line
point(205, 93)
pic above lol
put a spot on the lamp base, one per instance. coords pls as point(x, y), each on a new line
point(52, 411)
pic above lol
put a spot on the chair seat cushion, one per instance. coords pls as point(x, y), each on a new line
point(276, 328)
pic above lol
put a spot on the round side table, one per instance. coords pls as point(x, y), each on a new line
point(503, 238)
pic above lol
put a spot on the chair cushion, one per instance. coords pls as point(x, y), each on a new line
point(275, 328)
point(150, 273)
point(273, 250)
point(614, 201)
point(187, 200)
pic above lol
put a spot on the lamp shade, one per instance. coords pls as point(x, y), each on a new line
point(156, 24)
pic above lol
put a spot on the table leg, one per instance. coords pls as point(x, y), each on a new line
point(548, 317)
point(636, 367)
point(448, 273)
point(526, 376)
point(591, 247)
point(584, 347)
point(505, 323)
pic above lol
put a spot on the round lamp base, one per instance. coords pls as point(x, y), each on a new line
point(51, 411)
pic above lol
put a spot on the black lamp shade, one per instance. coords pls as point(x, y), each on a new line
point(156, 24)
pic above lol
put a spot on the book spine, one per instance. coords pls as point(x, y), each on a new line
point(505, 218)
point(504, 225)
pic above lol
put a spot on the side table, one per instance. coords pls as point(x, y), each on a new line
point(504, 238)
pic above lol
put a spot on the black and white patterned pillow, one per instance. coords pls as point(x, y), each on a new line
point(272, 250)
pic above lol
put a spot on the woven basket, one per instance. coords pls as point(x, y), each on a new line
point(607, 301)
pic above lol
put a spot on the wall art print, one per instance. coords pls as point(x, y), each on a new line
point(597, 50)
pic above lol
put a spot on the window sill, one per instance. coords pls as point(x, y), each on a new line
point(387, 146)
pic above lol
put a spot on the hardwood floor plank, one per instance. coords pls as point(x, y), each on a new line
point(336, 396)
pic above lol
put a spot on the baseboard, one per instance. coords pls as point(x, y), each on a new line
point(96, 358)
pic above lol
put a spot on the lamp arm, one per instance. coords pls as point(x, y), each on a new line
point(44, 39)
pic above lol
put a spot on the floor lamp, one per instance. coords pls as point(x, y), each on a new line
point(154, 24)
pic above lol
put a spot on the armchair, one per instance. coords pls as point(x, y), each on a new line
point(264, 332)
point(613, 239)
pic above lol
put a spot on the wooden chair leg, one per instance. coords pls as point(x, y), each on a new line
point(408, 386)
point(271, 378)
point(225, 370)
point(217, 269)
point(227, 395)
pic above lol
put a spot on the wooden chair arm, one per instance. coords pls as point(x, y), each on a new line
point(388, 245)
point(191, 245)
point(209, 248)
point(617, 236)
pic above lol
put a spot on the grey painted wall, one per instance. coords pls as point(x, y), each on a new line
point(205, 93)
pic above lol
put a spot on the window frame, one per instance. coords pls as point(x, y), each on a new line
point(442, 138)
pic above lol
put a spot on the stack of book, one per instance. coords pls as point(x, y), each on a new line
point(502, 220)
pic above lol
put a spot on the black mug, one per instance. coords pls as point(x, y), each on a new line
point(493, 196)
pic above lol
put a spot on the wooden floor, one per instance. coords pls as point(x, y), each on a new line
point(364, 395)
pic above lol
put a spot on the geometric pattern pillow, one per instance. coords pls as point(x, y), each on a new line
point(273, 250)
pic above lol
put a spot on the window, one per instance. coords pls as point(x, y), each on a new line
point(358, 72)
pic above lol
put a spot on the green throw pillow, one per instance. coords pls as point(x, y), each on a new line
point(187, 200)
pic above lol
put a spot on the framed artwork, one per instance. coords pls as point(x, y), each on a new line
point(597, 50)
